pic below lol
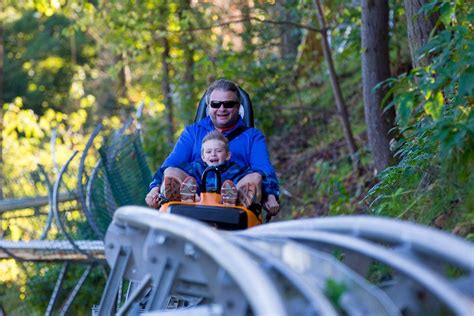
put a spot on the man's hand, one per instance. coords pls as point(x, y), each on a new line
point(152, 197)
point(271, 205)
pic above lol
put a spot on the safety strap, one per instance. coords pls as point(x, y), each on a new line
point(236, 132)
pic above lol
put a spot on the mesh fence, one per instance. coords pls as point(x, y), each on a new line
point(120, 178)
point(72, 228)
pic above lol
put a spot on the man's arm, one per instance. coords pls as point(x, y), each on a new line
point(260, 160)
point(270, 192)
point(182, 152)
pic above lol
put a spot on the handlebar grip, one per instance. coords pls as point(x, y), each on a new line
point(218, 178)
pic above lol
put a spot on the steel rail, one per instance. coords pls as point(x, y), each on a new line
point(80, 187)
point(317, 267)
point(423, 240)
point(51, 250)
point(255, 285)
point(57, 288)
point(49, 220)
point(57, 215)
point(88, 201)
point(434, 283)
point(9, 205)
point(72, 295)
point(313, 296)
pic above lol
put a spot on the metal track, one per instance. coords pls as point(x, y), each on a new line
point(185, 260)
point(177, 266)
point(81, 176)
point(52, 250)
point(181, 267)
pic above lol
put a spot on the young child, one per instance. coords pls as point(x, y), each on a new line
point(214, 152)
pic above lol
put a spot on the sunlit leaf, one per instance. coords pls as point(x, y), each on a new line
point(447, 12)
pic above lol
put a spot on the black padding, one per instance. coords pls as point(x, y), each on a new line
point(244, 100)
point(227, 218)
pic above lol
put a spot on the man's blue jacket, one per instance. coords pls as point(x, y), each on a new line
point(247, 149)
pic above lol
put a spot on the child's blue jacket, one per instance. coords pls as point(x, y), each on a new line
point(228, 170)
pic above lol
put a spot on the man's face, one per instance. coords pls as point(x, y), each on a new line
point(213, 152)
point(223, 117)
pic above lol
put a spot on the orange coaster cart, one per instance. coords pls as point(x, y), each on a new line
point(210, 209)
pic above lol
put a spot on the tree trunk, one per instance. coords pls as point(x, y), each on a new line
point(125, 76)
point(189, 68)
point(187, 95)
point(73, 46)
point(2, 175)
point(166, 88)
point(247, 33)
point(375, 69)
point(123, 84)
point(419, 27)
point(340, 104)
point(290, 37)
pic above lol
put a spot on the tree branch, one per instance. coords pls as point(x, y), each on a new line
point(256, 19)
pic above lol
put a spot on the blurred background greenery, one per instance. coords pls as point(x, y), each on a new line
point(69, 65)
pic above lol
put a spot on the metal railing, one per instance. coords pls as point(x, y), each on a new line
point(174, 259)
point(9, 205)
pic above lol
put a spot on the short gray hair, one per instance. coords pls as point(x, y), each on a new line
point(224, 85)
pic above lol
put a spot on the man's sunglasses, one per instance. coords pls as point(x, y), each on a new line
point(226, 104)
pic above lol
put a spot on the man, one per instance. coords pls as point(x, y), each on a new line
point(248, 148)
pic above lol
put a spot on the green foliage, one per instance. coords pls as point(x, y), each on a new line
point(41, 60)
point(65, 70)
point(334, 290)
point(155, 141)
point(333, 191)
point(31, 295)
point(330, 180)
point(436, 119)
point(379, 273)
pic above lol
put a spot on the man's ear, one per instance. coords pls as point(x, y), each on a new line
point(229, 154)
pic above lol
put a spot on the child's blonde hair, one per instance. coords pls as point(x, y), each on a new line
point(216, 135)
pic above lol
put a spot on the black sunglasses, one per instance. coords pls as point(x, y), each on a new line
point(226, 104)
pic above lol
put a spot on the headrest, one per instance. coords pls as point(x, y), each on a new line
point(246, 109)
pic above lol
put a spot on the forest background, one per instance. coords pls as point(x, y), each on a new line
point(366, 105)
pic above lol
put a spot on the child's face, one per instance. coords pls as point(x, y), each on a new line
point(214, 153)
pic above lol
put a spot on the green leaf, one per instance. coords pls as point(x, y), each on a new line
point(405, 108)
point(334, 290)
point(429, 8)
point(446, 13)
point(466, 82)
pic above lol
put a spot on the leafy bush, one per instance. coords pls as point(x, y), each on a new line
point(434, 179)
